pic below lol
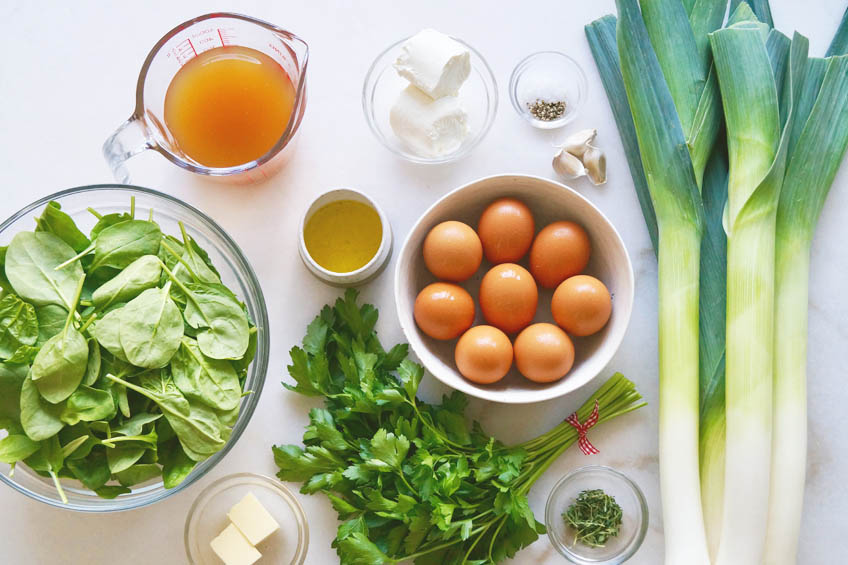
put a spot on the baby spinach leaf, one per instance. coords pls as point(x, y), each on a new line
point(92, 471)
point(120, 244)
point(228, 420)
point(138, 473)
point(16, 447)
point(11, 380)
point(5, 285)
point(107, 220)
point(214, 311)
point(23, 355)
point(57, 222)
point(106, 332)
point(31, 261)
point(92, 368)
point(198, 260)
point(51, 319)
point(176, 465)
point(119, 392)
point(18, 325)
point(111, 491)
point(149, 440)
point(72, 446)
point(150, 329)
point(196, 426)
point(50, 459)
point(123, 457)
point(60, 365)
point(39, 418)
point(88, 405)
point(54, 455)
point(141, 274)
point(135, 425)
point(241, 365)
point(211, 381)
point(85, 430)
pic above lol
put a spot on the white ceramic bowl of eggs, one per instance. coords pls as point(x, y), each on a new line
point(548, 202)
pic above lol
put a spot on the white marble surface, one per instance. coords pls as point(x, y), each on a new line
point(67, 77)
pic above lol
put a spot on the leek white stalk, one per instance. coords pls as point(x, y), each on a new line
point(757, 151)
point(818, 149)
point(678, 289)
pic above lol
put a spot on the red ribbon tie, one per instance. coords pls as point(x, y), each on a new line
point(585, 445)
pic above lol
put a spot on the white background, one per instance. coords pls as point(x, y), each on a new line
point(67, 79)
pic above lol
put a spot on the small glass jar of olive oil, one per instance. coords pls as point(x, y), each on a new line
point(345, 238)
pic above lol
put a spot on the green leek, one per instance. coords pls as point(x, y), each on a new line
point(839, 45)
point(664, 107)
point(749, 69)
point(819, 144)
point(761, 9)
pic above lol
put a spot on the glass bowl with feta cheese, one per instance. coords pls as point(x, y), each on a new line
point(430, 98)
point(245, 517)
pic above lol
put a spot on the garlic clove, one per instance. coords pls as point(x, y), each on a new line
point(568, 166)
point(595, 162)
point(579, 142)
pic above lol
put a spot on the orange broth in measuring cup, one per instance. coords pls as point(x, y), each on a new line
point(229, 106)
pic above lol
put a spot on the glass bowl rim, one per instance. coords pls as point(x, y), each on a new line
point(582, 86)
point(283, 491)
point(370, 83)
point(261, 360)
point(642, 530)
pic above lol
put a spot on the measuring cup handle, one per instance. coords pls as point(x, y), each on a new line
point(129, 139)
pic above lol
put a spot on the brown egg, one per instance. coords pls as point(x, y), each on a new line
point(543, 353)
point(560, 250)
point(452, 251)
point(506, 229)
point(443, 310)
point(483, 354)
point(508, 297)
point(581, 305)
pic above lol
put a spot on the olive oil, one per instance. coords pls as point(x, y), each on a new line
point(229, 106)
point(343, 236)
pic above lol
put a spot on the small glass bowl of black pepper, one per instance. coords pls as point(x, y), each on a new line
point(616, 490)
point(547, 89)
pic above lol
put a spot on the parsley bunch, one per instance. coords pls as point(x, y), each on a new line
point(410, 480)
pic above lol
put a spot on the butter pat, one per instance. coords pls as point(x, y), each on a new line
point(431, 128)
point(435, 63)
point(252, 520)
point(233, 548)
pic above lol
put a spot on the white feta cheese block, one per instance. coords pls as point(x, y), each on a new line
point(435, 63)
point(251, 518)
point(430, 128)
point(233, 548)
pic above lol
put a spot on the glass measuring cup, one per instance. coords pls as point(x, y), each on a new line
point(146, 128)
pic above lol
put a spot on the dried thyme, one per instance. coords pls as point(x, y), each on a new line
point(595, 517)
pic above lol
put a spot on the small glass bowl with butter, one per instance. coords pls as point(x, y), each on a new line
point(405, 118)
point(230, 511)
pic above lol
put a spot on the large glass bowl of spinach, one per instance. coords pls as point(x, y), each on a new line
point(164, 411)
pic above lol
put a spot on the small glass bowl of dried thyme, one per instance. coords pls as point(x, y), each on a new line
point(595, 515)
point(547, 89)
